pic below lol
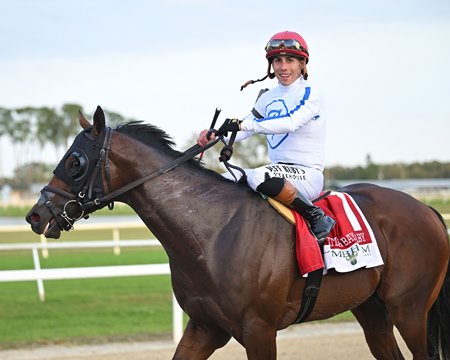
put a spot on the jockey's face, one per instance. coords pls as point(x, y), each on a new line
point(287, 68)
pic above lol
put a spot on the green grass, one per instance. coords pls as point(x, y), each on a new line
point(85, 257)
point(77, 235)
point(441, 205)
point(21, 211)
point(14, 211)
point(83, 310)
point(94, 310)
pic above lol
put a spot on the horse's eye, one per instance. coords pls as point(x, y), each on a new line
point(77, 165)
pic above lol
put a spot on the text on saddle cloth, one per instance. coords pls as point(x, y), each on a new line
point(350, 245)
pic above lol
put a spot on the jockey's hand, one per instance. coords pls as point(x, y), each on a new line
point(229, 125)
point(205, 136)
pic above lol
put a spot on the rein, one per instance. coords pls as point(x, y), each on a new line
point(78, 206)
point(189, 154)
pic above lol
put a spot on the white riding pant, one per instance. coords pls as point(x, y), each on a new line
point(308, 181)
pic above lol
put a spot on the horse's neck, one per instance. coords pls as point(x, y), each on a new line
point(186, 216)
point(186, 207)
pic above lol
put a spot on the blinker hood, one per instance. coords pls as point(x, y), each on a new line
point(86, 148)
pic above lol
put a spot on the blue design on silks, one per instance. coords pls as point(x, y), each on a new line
point(273, 142)
point(302, 101)
point(275, 113)
point(277, 139)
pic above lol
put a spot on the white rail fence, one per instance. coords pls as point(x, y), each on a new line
point(40, 275)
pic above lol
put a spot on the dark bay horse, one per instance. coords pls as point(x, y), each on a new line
point(232, 258)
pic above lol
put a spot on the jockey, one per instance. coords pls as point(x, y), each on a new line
point(292, 117)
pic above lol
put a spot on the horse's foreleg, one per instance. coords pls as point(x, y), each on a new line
point(199, 342)
point(259, 340)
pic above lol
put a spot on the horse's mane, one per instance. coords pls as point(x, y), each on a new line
point(153, 136)
point(150, 135)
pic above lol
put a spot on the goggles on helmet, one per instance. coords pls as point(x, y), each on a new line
point(290, 44)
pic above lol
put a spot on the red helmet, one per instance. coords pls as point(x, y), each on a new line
point(283, 43)
point(287, 42)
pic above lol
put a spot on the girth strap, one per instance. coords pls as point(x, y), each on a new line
point(312, 286)
point(310, 294)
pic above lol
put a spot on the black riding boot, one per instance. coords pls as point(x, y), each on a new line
point(319, 223)
point(287, 194)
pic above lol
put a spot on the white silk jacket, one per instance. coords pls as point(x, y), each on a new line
point(293, 120)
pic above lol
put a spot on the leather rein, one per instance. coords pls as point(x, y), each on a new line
point(86, 202)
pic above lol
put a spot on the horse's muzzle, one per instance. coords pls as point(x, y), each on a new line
point(42, 222)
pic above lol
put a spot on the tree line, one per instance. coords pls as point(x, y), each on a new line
point(44, 124)
point(415, 170)
point(58, 126)
point(252, 153)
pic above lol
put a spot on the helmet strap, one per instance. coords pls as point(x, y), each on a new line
point(271, 75)
point(305, 73)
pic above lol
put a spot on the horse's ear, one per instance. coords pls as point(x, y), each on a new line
point(83, 121)
point(99, 120)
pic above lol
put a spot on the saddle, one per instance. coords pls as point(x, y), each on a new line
point(285, 212)
point(282, 209)
point(351, 243)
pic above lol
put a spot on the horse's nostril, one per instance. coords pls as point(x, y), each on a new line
point(33, 218)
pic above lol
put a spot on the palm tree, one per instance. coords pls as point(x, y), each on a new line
point(30, 126)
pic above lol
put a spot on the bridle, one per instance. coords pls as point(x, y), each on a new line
point(65, 219)
point(87, 200)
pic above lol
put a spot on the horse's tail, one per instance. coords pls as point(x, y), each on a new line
point(439, 318)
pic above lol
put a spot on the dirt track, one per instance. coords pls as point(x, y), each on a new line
point(308, 341)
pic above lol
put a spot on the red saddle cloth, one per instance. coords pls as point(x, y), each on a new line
point(309, 256)
point(351, 241)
